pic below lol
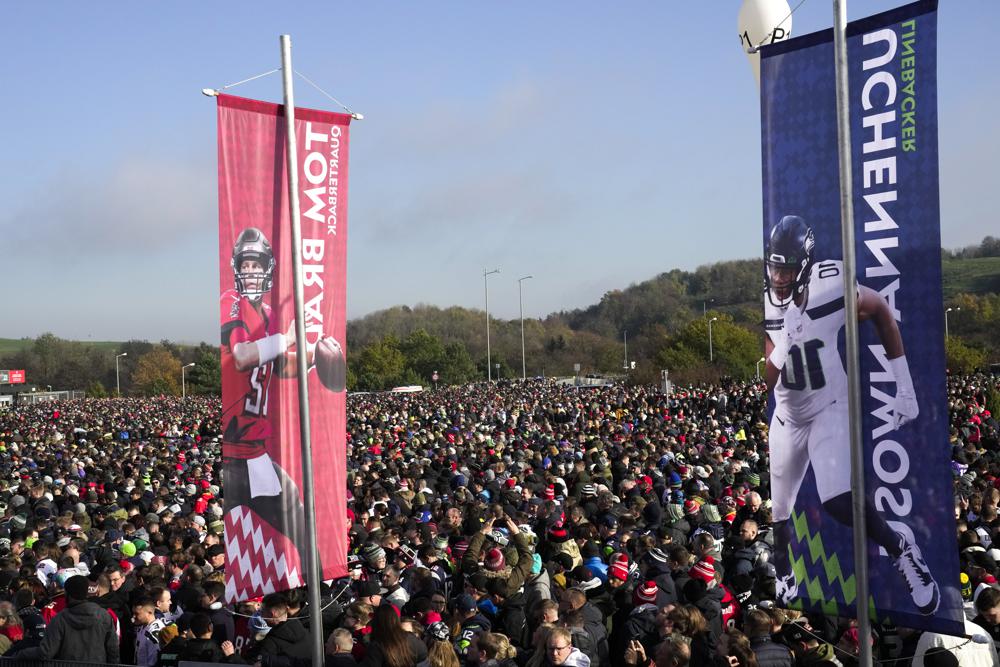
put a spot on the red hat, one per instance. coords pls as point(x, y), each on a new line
point(558, 533)
point(550, 492)
point(619, 567)
point(494, 560)
point(691, 507)
point(645, 593)
point(704, 570)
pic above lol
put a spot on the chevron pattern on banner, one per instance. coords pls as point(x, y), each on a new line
point(259, 559)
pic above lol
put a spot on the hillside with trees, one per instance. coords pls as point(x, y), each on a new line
point(666, 319)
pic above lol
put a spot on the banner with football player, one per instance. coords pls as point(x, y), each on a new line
point(265, 531)
point(909, 504)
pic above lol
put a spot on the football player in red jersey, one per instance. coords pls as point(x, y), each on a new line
point(254, 349)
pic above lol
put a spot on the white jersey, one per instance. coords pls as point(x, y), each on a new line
point(813, 376)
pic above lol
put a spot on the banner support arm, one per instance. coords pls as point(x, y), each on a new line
point(309, 500)
point(860, 530)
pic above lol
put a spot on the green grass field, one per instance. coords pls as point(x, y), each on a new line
point(972, 276)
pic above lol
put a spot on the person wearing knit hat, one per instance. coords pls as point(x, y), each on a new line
point(549, 493)
point(645, 594)
point(374, 557)
point(618, 570)
point(704, 570)
point(494, 560)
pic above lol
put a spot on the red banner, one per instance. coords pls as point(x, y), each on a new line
point(17, 377)
point(264, 516)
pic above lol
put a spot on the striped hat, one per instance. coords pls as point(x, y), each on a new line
point(753, 479)
point(619, 567)
point(675, 511)
point(494, 560)
point(588, 490)
point(703, 570)
point(550, 493)
point(711, 513)
point(691, 507)
point(645, 593)
point(656, 555)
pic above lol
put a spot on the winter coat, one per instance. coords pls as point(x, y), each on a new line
point(83, 632)
point(287, 639)
point(576, 658)
point(207, 650)
point(513, 576)
point(538, 587)
point(770, 653)
point(512, 621)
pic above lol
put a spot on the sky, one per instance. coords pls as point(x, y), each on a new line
point(591, 145)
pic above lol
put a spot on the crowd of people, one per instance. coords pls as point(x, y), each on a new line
point(511, 524)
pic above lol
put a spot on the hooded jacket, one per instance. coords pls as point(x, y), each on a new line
point(83, 632)
point(287, 639)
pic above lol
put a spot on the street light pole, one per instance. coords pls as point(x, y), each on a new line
point(711, 354)
point(118, 384)
point(946, 320)
point(759, 362)
point(625, 364)
point(183, 383)
point(486, 287)
point(520, 309)
point(704, 307)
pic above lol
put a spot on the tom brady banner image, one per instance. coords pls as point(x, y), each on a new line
point(909, 506)
point(265, 531)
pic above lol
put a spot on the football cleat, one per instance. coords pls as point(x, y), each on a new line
point(923, 588)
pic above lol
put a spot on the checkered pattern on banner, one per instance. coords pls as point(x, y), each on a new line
point(252, 566)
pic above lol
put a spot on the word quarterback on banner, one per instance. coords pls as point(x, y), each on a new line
point(913, 570)
point(265, 531)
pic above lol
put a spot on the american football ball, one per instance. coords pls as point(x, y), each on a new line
point(331, 364)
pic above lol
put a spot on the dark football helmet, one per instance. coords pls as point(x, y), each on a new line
point(252, 245)
point(789, 248)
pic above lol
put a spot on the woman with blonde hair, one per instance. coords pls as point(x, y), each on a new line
point(440, 650)
point(493, 650)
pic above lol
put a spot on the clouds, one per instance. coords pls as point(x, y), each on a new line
point(140, 205)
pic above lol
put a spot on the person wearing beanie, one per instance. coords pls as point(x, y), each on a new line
point(655, 567)
point(640, 624)
point(82, 632)
point(514, 577)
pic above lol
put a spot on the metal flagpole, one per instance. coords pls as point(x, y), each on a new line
point(851, 331)
point(312, 547)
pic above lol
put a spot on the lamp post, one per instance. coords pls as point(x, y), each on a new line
point(625, 364)
point(520, 309)
point(704, 307)
point(946, 320)
point(118, 384)
point(183, 382)
point(711, 354)
point(759, 362)
point(486, 287)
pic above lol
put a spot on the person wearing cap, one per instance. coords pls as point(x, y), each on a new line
point(472, 623)
point(82, 632)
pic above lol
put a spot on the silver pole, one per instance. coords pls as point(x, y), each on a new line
point(183, 382)
point(851, 331)
point(947, 310)
point(309, 500)
point(625, 339)
point(486, 287)
point(520, 308)
point(711, 353)
point(118, 384)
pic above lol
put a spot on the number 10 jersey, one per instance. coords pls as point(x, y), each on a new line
point(813, 376)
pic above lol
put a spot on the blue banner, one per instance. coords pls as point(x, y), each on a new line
point(912, 554)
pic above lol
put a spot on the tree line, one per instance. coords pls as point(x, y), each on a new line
point(666, 320)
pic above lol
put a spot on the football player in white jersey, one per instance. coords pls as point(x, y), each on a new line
point(803, 316)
